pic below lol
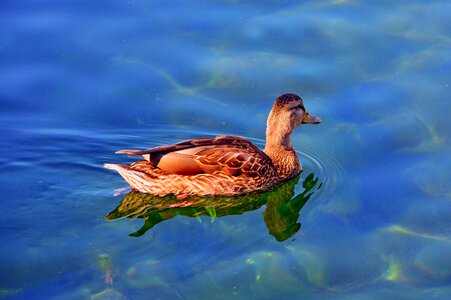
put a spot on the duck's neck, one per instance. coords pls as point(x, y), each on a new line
point(279, 148)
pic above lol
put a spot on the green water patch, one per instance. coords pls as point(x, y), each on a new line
point(280, 216)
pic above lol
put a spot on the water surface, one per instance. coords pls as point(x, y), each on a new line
point(82, 79)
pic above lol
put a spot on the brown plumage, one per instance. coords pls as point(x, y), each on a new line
point(223, 165)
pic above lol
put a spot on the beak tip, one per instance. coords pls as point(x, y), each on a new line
point(311, 119)
point(316, 120)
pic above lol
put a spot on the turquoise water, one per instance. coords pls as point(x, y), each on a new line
point(369, 218)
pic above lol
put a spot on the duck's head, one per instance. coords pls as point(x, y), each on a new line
point(288, 112)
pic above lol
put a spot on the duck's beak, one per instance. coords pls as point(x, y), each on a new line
point(310, 119)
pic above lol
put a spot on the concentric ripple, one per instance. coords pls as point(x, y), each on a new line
point(329, 171)
point(319, 162)
point(313, 159)
point(89, 149)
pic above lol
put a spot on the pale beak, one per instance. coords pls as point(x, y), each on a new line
point(310, 119)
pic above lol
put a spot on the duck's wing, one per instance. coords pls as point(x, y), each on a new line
point(219, 140)
point(230, 154)
point(234, 161)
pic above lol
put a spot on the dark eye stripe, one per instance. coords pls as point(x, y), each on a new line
point(299, 106)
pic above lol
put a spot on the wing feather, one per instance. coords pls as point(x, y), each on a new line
point(235, 161)
point(219, 140)
point(229, 154)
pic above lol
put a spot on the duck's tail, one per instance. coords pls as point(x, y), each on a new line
point(146, 156)
point(136, 179)
point(116, 167)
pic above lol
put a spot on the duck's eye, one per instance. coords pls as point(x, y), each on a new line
point(300, 106)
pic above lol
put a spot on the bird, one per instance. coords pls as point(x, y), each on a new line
point(222, 165)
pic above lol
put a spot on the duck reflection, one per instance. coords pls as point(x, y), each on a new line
point(280, 216)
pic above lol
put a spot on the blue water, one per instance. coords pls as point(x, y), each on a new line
point(82, 79)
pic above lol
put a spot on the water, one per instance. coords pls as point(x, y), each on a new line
point(82, 79)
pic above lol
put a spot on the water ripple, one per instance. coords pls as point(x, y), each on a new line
point(324, 166)
point(56, 150)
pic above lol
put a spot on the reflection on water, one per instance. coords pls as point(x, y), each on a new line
point(281, 214)
point(81, 79)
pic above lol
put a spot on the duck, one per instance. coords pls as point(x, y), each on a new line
point(223, 165)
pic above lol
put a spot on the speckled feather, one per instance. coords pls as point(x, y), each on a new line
point(237, 167)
